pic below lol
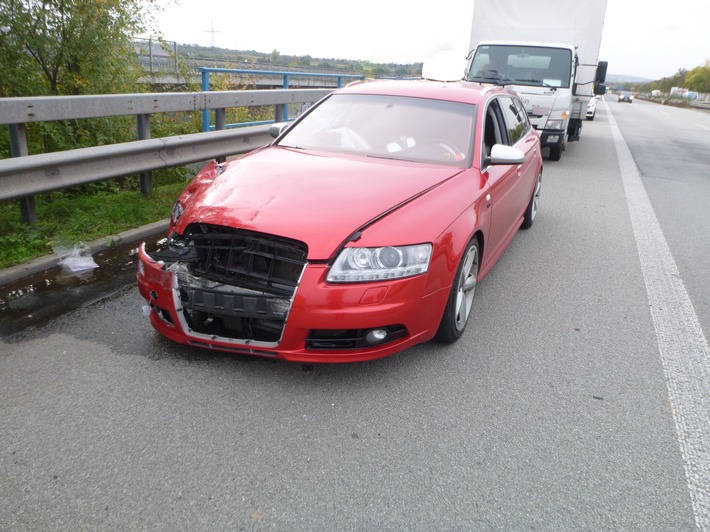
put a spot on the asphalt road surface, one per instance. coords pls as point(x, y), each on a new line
point(576, 400)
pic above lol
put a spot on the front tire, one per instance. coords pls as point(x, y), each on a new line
point(460, 303)
point(531, 211)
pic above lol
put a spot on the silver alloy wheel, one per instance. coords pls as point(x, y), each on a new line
point(536, 196)
point(466, 287)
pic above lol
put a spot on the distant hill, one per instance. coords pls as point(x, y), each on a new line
point(622, 78)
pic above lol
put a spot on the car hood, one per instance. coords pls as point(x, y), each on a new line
point(316, 198)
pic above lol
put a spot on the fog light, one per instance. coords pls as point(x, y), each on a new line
point(375, 336)
point(553, 138)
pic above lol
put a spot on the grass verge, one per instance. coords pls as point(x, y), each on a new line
point(65, 219)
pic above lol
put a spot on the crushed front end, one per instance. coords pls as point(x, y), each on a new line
point(249, 293)
point(221, 287)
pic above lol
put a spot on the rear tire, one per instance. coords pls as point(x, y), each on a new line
point(460, 303)
point(531, 211)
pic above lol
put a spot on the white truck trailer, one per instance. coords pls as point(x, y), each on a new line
point(547, 51)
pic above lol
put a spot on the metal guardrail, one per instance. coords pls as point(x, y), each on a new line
point(49, 108)
point(23, 175)
point(26, 176)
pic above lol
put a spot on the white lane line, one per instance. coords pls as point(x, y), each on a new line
point(702, 126)
point(683, 347)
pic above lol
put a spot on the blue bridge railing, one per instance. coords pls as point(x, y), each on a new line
point(282, 112)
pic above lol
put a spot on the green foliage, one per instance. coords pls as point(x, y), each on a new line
point(70, 218)
point(698, 79)
point(70, 47)
point(663, 84)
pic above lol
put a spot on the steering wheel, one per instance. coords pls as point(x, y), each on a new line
point(443, 150)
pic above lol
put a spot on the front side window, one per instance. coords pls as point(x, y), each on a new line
point(392, 127)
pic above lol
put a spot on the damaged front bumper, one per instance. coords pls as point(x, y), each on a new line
point(316, 323)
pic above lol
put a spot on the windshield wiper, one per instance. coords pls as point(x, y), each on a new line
point(385, 157)
point(538, 81)
point(490, 76)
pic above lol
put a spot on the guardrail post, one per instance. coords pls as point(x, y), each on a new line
point(143, 134)
point(150, 54)
point(220, 122)
point(279, 113)
point(205, 88)
point(18, 148)
point(287, 82)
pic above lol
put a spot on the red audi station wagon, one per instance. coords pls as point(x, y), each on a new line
point(361, 230)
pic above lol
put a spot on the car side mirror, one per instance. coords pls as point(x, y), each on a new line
point(502, 154)
point(276, 130)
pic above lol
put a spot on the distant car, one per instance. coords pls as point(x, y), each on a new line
point(592, 108)
point(363, 229)
point(626, 97)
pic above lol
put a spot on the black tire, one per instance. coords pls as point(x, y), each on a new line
point(531, 210)
point(555, 153)
point(460, 303)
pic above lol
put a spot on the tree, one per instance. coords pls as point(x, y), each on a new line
point(698, 79)
point(677, 80)
point(70, 47)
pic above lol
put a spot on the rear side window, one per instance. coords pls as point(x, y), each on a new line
point(516, 120)
point(522, 113)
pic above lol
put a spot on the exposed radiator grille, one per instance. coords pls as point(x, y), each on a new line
point(238, 284)
point(250, 260)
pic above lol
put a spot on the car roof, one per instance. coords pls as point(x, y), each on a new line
point(457, 91)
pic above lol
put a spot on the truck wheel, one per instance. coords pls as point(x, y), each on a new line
point(463, 289)
point(555, 153)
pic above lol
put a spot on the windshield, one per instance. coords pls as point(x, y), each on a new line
point(392, 127)
point(522, 65)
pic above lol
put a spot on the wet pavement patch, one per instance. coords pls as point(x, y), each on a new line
point(34, 300)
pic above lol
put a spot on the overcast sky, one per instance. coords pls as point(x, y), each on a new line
point(641, 38)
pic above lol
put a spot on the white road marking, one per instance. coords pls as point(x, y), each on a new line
point(702, 126)
point(683, 347)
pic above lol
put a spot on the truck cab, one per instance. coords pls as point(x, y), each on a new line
point(543, 75)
